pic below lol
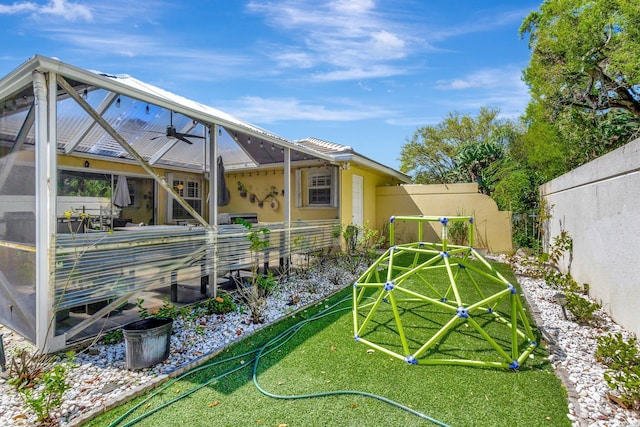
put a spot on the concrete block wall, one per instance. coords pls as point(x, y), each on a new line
point(598, 204)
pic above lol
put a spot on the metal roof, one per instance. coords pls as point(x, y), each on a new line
point(344, 153)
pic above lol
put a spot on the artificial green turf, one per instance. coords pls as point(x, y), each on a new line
point(323, 356)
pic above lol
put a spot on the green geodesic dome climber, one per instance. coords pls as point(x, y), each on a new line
point(440, 303)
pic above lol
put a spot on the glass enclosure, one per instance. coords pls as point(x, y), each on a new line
point(124, 199)
point(17, 217)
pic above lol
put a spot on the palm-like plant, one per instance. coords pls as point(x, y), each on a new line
point(473, 158)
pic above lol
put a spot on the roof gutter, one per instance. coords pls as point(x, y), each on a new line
point(367, 162)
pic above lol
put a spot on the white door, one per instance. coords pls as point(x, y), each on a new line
point(356, 203)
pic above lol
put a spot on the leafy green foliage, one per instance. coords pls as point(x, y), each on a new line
point(543, 148)
point(222, 304)
point(48, 396)
point(562, 244)
point(430, 154)
point(472, 160)
point(167, 310)
point(515, 188)
point(616, 352)
point(113, 337)
point(584, 53)
point(583, 310)
point(41, 380)
point(623, 360)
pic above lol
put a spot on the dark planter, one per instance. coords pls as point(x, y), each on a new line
point(147, 342)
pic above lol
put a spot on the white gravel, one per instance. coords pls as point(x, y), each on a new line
point(100, 379)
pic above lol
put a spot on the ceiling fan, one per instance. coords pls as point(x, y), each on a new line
point(171, 132)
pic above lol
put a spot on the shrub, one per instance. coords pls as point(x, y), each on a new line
point(40, 381)
point(582, 309)
point(623, 360)
point(222, 304)
point(167, 310)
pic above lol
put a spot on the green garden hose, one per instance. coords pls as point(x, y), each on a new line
point(267, 348)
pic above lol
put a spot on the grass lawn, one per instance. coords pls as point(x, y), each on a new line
point(323, 357)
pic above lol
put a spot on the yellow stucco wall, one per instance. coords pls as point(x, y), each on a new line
point(260, 183)
point(493, 227)
point(381, 200)
point(371, 180)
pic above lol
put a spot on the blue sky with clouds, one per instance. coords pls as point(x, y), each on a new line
point(364, 73)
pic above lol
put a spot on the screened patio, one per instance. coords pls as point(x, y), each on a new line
point(110, 188)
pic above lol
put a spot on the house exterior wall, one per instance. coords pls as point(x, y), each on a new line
point(492, 227)
point(260, 183)
point(598, 205)
point(370, 181)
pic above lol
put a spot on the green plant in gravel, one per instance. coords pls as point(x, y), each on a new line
point(562, 245)
point(167, 310)
point(222, 304)
point(113, 337)
point(254, 293)
point(25, 368)
point(582, 309)
point(623, 360)
point(41, 382)
point(47, 396)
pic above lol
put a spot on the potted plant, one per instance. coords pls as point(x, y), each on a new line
point(242, 189)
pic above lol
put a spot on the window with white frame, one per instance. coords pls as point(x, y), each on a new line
point(320, 189)
point(190, 190)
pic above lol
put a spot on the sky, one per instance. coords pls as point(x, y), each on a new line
point(362, 73)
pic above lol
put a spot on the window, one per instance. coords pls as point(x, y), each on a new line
point(319, 188)
point(191, 191)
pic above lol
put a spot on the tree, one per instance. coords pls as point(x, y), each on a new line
point(472, 160)
point(430, 154)
point(542, 148)
point(585, 54)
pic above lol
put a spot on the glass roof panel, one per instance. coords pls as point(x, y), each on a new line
point(144, 119)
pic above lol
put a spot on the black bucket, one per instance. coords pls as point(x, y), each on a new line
point(147, 342)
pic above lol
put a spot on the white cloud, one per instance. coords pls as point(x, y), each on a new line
point(295, 59)
point(499, 87)
point(487, 78)
point(352, 6)
point(270, 110)
point(356, 73)
point(351, 39)
point(67, 10)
